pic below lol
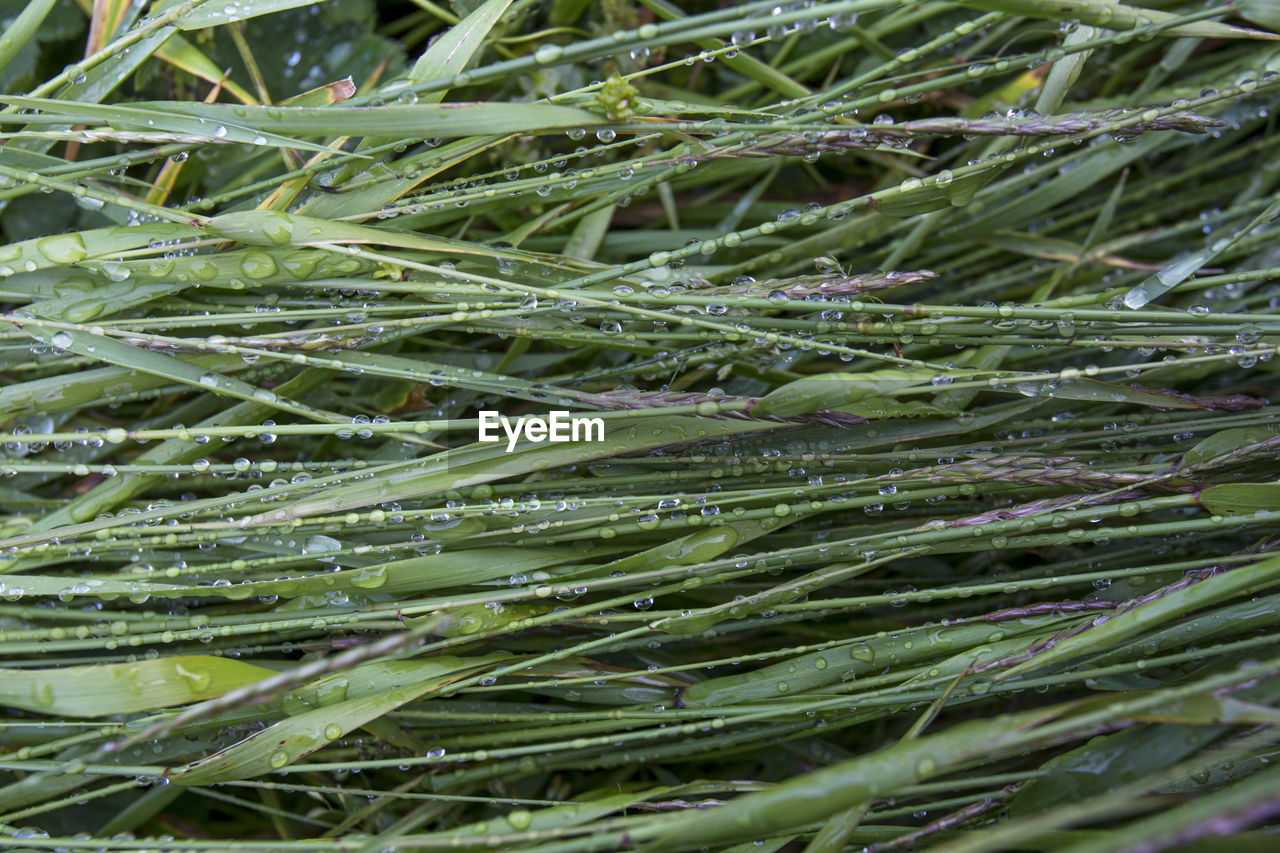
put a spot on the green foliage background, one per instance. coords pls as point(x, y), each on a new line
point(935, 346)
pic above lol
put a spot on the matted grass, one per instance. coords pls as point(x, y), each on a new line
point(933, 345)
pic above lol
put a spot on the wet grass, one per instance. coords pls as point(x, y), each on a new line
point(932, 344)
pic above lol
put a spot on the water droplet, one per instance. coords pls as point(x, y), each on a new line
point(548, 53)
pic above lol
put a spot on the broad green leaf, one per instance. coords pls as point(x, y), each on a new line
point(67, 587)
point(931, 196)
point(102, 301)
point(97, 690)
point(836, 390)
point(1265, 13)
point(371, 679)
point(450, 53)
point(1225, 445)
point(1241, 498)
point(691, 549)
point(64, 249)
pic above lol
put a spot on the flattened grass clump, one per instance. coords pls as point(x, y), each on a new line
point(932, 344)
